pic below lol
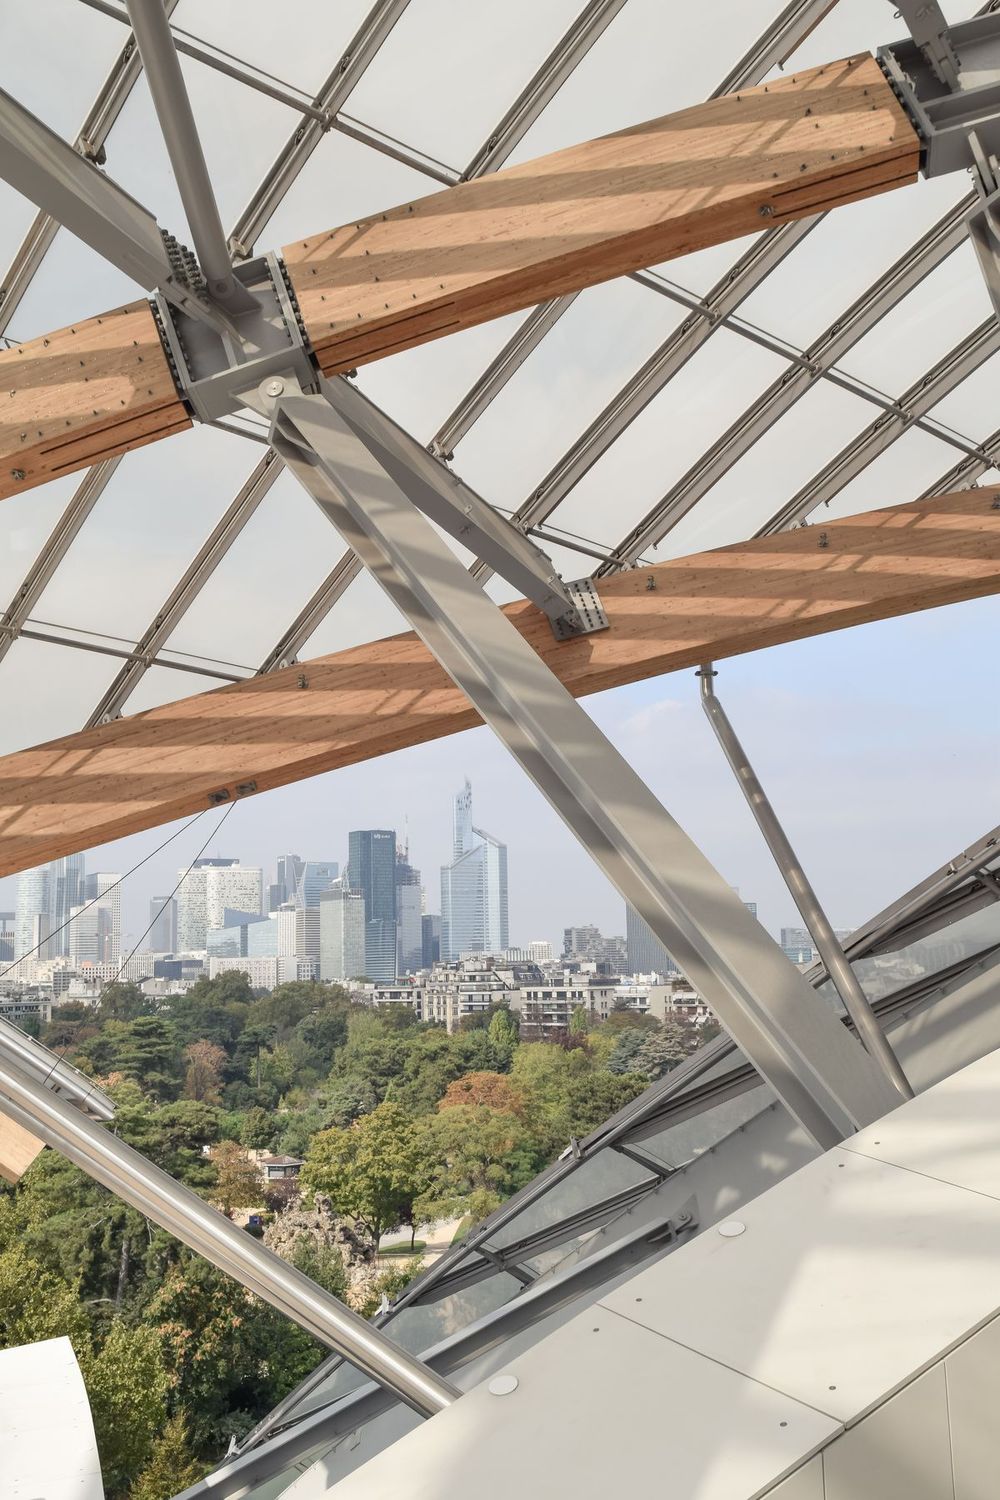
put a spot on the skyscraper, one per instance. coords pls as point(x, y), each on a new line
point(66, 881)
point(286, 882)
point(95, 932)
point(162, 936)
point(31, 924)
point(646, 954)
point(409, 915)
point(315, 876)
point(473, 888)
point(430, 940)
point(207, 890)
point(371, 870)
point(341, 933)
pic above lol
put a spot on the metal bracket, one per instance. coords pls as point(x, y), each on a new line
point(948, 80)
point(590, 614)
point(214, 369)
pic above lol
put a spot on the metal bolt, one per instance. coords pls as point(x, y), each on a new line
point(996, 502)
point(650, 584)
point(766, 211)
point(824, 540)
point(273, 387)
point(303, 680)
point(17, 474)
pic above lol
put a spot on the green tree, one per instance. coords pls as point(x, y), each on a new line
point(371, 1171)
point(503, 1034)
point(237, 1182)
point(149, 1054)
point(663, 1049)
point(477, 1159)
point(123, 1002)
point(171, 1467)
point(258, 1130)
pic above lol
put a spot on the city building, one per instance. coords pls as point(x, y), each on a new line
point(386, 996)
point(8, 929)
point(371, 871)
point(286, 881)
point(473, 888)
point(32, 922)
point(547, 1009)
point(95, 928)
point(192, 903)
point(162, 935)
point(583, 942)
point(66, 891)
point(342, 934)
point(645, 954)
point(676, 998)
point(409, 915)
point(468, 987)
point(313, 877)
point(265, 973)
point(430, 939)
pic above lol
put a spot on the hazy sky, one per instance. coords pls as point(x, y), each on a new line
point(877, 744)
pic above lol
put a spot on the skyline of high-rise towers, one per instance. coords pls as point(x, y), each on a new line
point(474, 897)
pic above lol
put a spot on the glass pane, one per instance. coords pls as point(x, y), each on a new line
point(598, 1178)
point(887, 972)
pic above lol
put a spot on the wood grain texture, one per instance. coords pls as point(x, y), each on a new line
point(712, 173)
point(140, 772)
point(84, 393)
point(18, 1149)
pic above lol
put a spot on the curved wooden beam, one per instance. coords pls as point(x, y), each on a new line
point(169, 762)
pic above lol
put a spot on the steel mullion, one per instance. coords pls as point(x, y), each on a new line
point(85, 497)
point(312, 614)
point(560, 64)
point(361, 51)
point(938, 382)
point(89, 143)
point(190, 585)
point(792, 384)
point(967, 470)
point(650, 379)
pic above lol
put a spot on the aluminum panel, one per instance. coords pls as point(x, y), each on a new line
point(899, 1452)
point(844, 1284)
point(706, 1432)
point(948, 1133)
point(805, 1484)
point(972, 1373)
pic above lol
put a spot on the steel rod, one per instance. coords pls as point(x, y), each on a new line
point(827, 943)
point(161, 64)
point(205, 1230)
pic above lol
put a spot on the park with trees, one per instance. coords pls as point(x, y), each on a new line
point(397, 1124)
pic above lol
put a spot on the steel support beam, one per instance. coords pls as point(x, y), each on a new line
point(89, 142)
point(800, 889)
point(208, 1232)
point(50, 173)
point(798, 1046)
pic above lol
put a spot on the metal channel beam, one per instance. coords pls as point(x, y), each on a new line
point(765, 255)
point(793, 383)
point(561, 62)
point(312, 614)
point(524, 341)
point(85, 497)
point(820, 929)
point(50, 173)
point(181, 1212)
point(961, 362)
point(799, 1047)
point(209, 555)
point(968, 469)
point(89, 142)
point(350, 68)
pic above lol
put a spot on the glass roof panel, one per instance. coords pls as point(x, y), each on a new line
point(887, 972)
point(28, 520)
point(362, 614)
point(301, 51)
point(57, 42)
point(161, 685)
point(688, 1138)
point(972, 408)
point(841, 257)
point(593, 349)
point(899, 474)
point(478, 68)
point(113, 579)
point(47, 691)
point(785, 458)
point(924, 327)
point(651, 60)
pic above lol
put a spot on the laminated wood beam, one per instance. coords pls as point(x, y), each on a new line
point(169, 762)
point(18, 1149)
point(716, 172)
point(82, 394)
